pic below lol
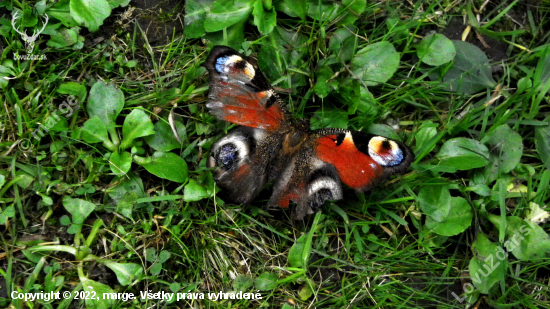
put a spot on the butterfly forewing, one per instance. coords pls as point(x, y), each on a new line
point(239, 93)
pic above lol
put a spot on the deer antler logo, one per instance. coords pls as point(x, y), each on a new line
point(29, 40)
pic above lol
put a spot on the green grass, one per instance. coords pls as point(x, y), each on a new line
point(68, 218)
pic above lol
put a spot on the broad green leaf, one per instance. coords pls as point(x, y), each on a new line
point(168, 165)
point(266, 281)
point(194, 191)
point(542, 143)
point(322, 88)
point(350, 11)
point(164, 139)
point(455, 222)
point(463, 154)
point(120, 163)
point(73, 88)
point(292, 8)
point(382, 130)
point(234, 39)
point(225, 13)
point(329, 116)
point(62, 12)
point(242, 283)
point(526, 240)
point(375, 63)
point(435, 49)
point(125, 205)
point(91, 13)
point(470, 71)
point(506, 150)
point(63, 38)
point(423, 136)
point(2, 180)
point(101, 301)
point(164, 256)
point(131, 183)
point(488, 264)
point(264, 19)
point(435, 201)
point(106, 102)
point(296, 252)
point(195, 15)
point(344, 43)
point(79, 209)
point(116, 3)
point(305, 292)
point(125, 272)
point(94, 131)
point(137, 124)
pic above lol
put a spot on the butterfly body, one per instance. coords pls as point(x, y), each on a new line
point(306, 167)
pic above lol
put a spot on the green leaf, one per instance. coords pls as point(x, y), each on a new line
point(455, 222)
point(120, 163)
point(487, 265)
point(350, 10)
point(322, 88)
point(94, 131)
point(91, 13)
point(226, 13)
point(470, 71)
point(73, 88)
point(61, 11)
point(234, 38)
point(242, 283)
point(266, 281)
point(136, 125)
point(526, 240)
point(164, 139)
point(305, 292)
point(98, 289)
point(265, 20)
point(435, 201)
point(125, 272)
point(116, 3)
point(329, 116)
point(375, 63)
point(292, 8)
point(168, 165)
point(194, 191)
point(63, 38)
point(106, 102)
point(194, 18)
point(79, 209)
point(506, 147)
point(463, 154)
point(435, 49)
point(542, 144)
point(164, 256)
point(296, 252)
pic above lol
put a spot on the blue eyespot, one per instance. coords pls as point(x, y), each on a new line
point(220, 64)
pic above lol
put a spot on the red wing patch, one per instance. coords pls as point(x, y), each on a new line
point(354, 168)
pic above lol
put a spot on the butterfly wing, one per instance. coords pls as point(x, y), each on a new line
point(240, 160)
point(331, 157)
point(240, 93)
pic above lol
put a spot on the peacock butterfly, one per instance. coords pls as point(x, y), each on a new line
point(306, 167)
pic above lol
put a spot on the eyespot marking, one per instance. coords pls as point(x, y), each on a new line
point(384, 151)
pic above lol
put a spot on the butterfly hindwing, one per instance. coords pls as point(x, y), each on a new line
point(362, 160)
point(307, 181)
point(240, 93)
point(240, 160)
